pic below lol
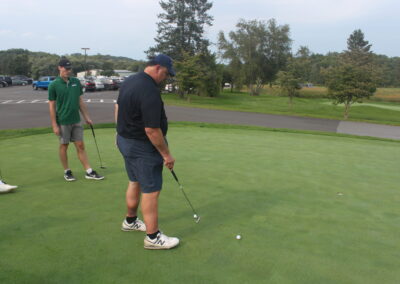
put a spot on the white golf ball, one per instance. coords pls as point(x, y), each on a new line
point(195, 216)
point(238, 237)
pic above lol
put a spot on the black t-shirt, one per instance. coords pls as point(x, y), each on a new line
point(139, 106)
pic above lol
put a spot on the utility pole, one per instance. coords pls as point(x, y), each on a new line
point(86, 71)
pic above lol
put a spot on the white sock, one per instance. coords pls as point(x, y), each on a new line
point(1, 182)
point(89, 170)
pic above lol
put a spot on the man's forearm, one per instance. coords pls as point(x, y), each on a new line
point(157, 139)
point(83, 109)
point(116, 113)
point(52, 109)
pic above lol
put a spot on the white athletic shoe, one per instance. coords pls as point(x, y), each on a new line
point(160, 242)
point(138, 225)
point(4, 187)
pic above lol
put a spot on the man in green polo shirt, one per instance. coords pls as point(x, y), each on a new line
point(65, 102)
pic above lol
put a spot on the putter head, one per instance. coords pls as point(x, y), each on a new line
point(103, 167)
point(197, 220)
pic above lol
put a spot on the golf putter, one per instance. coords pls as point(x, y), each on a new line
point(97, 147)
point(195, 216)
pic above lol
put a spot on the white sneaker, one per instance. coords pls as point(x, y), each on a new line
point(160, 242)
point(6, 187)
point(138, 225)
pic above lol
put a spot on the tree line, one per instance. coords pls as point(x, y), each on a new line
point(253, 54)
point(259, 52)
point(36, 64)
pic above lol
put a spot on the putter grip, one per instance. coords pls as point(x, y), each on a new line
point(91, 127)
point(175, 177)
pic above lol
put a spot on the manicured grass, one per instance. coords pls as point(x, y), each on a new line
point(383, 106)
point(278, 190)
point(303, 106)
point(381, 94)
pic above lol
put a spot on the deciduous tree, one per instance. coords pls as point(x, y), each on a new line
point(354, 79)
point(258, 49)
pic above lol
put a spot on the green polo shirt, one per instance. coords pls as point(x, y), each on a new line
point(66, 96)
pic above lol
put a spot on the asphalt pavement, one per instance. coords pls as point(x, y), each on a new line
point(22, 107)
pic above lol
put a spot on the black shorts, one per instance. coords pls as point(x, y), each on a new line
point(143, 163)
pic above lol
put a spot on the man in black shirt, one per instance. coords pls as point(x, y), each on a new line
point(141, 130)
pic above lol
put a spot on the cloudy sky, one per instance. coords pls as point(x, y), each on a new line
point(128, 27)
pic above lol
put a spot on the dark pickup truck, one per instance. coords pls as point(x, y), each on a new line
point(5, 79)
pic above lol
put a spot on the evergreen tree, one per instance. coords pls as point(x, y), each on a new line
point(358, 50)
point(181, 28)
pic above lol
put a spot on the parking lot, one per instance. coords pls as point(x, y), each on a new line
point(17, 93)
point(23, 107)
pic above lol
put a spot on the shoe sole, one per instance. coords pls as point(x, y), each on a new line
point(10, 188)
point(94, 178)
point(69, 180)
point(7, 190)
point(131, 230)
point(154, 247)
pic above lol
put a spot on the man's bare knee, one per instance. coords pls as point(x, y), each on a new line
point(80, 146)
point(64, 147)
point(151, 195)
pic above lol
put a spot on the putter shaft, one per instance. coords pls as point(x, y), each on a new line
point(184, 194)
point(97, 147)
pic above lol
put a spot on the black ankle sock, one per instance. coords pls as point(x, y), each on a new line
point(130, 220)
point(153, 236)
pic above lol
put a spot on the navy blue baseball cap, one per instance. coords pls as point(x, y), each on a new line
point(64, 62)
point(166, 61)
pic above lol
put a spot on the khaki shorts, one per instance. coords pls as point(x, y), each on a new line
point(71, 133)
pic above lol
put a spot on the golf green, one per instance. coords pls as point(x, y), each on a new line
point(309, 209)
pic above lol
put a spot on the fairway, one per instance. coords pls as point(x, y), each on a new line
point(309, 209)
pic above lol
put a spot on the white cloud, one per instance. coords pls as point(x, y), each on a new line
point(301, 11)
point(49, 37)
point(5, 32)
point(328, 11)
point(28, 35)
point(128, 27)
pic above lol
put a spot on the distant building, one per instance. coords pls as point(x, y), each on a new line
point(93, 72)
point(123, 73)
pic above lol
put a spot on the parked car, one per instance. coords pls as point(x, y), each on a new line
point(43, 82)
point(115, 84)
point(169, 88)
point(99, 85)
point(22, 78)
point(87, 85)
point(18, 82)
point(6, 79)
point(306, 85)
point(3, 84)
point(109, 84)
